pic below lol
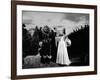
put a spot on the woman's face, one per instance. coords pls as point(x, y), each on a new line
point(60, 33)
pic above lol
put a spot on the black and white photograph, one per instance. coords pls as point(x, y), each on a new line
point(54, 39)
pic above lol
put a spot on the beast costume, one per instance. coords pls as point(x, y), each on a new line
point(45, 51)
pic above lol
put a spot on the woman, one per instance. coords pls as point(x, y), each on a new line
point(62, 53)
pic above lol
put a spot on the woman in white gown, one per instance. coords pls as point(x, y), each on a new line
point(62, 53)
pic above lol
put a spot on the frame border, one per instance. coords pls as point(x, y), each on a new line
point(14, 4)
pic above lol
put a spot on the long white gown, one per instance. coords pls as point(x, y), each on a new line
point(62, 53)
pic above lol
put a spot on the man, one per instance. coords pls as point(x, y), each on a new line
point(45, 50)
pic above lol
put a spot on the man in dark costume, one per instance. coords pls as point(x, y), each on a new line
point(45, 51)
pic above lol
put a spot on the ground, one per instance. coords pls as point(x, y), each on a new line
point(34, 62)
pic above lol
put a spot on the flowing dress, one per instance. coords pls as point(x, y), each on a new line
point(62, 53)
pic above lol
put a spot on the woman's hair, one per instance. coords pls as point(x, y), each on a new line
point(64, 31)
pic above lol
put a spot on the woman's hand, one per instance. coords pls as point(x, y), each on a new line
point(68, 42)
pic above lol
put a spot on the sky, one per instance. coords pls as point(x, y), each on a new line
point(70, 21)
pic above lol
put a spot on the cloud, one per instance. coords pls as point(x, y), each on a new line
point(68, 20)
point(76, 17)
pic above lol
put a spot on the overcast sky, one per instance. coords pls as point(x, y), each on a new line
point(68, 20)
